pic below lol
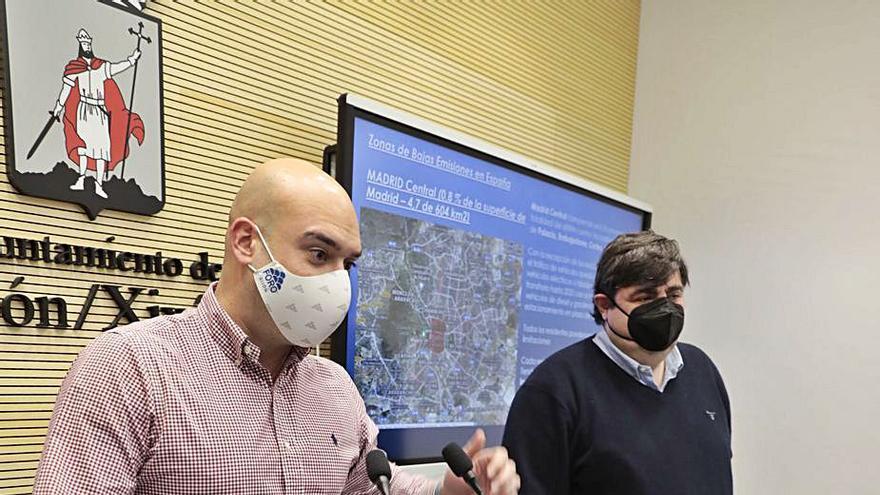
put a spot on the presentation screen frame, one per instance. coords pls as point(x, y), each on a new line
point(352, 107)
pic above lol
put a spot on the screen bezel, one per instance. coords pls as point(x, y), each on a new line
point(353, 106)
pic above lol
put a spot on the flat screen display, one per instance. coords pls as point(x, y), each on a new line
point(475, 268)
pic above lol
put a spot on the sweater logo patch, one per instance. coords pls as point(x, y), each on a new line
point(711, 415)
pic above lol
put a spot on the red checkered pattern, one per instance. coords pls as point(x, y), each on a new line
point(181, 405)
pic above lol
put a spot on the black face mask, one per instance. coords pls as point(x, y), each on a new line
point(655, 325)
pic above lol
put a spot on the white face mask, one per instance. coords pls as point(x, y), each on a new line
point(306, 310)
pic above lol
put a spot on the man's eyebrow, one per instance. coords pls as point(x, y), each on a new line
point(647, 289)
point(654, 290)
point(311, 234)
point(321, 237)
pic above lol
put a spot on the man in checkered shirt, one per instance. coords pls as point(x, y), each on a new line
point(216, 400)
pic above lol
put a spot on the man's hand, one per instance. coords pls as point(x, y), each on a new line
point(56, 112)
point(134, 56)
point(495, 472)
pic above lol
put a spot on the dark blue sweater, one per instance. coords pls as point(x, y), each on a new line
point(581, 425)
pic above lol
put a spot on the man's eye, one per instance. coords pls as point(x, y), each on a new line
point(318, 256)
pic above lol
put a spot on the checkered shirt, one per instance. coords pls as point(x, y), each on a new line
point(180, 405)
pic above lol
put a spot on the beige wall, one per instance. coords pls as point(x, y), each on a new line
point(756, 141)
point(247, 81)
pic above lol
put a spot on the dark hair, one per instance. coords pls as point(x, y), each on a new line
point(640, 258)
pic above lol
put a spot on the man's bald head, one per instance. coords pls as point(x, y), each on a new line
point(292, 203)
point(285, 186)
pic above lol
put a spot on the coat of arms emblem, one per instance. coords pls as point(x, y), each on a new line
point(83, 104)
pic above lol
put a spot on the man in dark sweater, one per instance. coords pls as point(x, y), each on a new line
point(629, 411)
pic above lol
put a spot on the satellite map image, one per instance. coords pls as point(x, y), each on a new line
point(437, 319)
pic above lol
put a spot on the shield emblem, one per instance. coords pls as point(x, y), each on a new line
point(82, 104)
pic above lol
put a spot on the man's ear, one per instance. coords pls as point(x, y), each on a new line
point(243, 240)
point(603, 302)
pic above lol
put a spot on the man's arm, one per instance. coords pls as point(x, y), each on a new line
point(117, 67)
point(358, 482)
point(66, 86)
point(100, 431)
point(722, 391)
point(492, 466)
point(537, 436)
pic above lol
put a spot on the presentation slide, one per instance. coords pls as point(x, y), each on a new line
point(472, 274)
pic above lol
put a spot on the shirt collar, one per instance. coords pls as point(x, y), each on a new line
point(637, 370)
point(231, 338)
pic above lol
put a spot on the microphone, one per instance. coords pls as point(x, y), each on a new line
point(461, 465)
point(379, 471)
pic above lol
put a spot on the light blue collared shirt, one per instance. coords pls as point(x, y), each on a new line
point(642, 373)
